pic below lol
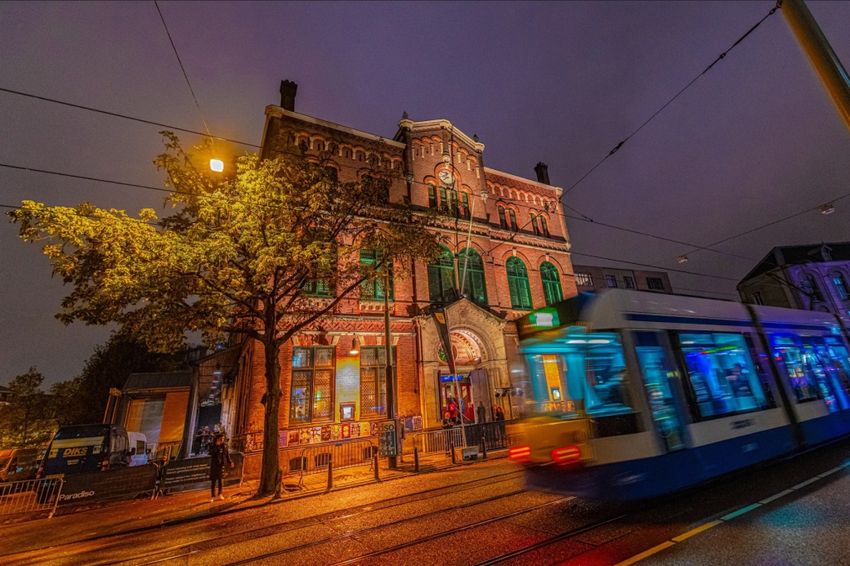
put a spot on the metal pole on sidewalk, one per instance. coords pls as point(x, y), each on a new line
point(391, 408)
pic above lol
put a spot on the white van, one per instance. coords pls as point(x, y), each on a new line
point(138, 448)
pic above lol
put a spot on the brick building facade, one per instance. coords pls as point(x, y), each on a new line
point(505, 243)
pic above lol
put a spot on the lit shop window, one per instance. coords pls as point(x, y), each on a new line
point(311, 394)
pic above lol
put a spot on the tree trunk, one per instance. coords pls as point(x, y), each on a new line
point(269, 478)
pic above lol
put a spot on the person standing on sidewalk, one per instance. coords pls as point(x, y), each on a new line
point(219, 458)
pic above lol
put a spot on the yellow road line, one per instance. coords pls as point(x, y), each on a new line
point(696, 531)
point(646, 553)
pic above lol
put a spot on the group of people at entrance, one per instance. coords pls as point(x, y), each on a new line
point(455, 414)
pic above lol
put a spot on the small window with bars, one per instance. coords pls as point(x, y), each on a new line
point(584, 279)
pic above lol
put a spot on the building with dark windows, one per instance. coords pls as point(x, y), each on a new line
point(505, 251)
point(813, 277)
point(589, 278)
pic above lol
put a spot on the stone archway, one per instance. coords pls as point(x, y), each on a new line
point(478, 344)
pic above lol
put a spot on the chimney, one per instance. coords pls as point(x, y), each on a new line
point(287, 95)
point(542, 171)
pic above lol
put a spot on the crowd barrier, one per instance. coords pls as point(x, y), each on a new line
point(327, 458)
point(30, 496)
point(493, 435)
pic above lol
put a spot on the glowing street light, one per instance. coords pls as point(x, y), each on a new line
point(216, 165)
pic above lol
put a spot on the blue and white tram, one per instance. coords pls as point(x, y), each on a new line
point(633, 394)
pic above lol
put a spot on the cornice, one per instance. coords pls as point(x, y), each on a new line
point(523, 180)
point(273, 111)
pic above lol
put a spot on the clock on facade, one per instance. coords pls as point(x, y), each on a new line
point(446, 177)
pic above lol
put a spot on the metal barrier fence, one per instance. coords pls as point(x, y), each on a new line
point(494, 435)
point(30, 496)
point(328, 457)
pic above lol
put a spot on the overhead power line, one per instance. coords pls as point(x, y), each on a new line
point(581, 216)
point(719, 58)
point(125, 116)
point(171, 191)
point(182, 67)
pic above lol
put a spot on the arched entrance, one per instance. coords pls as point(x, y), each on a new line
point(478, 348)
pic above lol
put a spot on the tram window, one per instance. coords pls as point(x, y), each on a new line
point(583, 372)
point(721, 374)
point(607, 391)
point(813, 367)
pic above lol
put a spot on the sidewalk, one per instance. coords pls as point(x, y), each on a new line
point(128, 516)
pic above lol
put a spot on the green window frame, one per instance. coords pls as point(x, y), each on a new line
point(518, 284)
point(465, 212)
point(444, 201)
point(474, 286)
point(432, 196)
point(442, 286)
point(317, 288)
point(551, 283)
point(374, 290)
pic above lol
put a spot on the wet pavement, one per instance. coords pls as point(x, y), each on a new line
point(789, 512)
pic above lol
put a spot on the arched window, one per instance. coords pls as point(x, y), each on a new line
point(840, 286)
point(544, 228)
point(551, 283)
point(503, 221)
point(374, 290)
point(441, 278)
point(534, 225)
point(469, 262)
point(432, 196)
point(518, 283)
point(512, 216)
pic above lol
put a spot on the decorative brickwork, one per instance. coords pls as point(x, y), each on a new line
point(433, 165)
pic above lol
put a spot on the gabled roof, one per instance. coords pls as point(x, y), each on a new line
point(796, 255)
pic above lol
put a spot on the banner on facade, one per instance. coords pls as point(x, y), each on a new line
point(443, 330)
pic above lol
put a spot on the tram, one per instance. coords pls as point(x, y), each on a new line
point(631, 395)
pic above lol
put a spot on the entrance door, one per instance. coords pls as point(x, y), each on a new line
point(481, 389)
point(450, 387)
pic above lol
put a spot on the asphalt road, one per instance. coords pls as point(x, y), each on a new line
point(791, 512)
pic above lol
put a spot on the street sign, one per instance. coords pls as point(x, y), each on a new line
point(388, 440)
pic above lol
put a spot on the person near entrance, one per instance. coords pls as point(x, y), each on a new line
point(482, 413)
point(219, 458)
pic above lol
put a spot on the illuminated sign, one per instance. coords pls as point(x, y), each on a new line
point(450, 378)
point(544, 318)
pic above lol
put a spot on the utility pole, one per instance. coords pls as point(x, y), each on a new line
point(832, 74)
point(391, 408)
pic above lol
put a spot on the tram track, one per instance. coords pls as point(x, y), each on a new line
point(131, 536)
point(550, 541)
point(187, 549)
point(354, 534)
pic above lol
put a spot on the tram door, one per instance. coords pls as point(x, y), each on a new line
point(659, 374)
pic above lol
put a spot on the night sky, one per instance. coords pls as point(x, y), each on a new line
point(755, 139)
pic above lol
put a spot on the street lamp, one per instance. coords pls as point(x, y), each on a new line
point(354, 347)
point(216, 165)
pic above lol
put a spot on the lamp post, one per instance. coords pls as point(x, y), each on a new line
point(390, 378)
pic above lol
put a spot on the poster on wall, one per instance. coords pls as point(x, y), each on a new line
point(294, 437)
point(346, 430)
